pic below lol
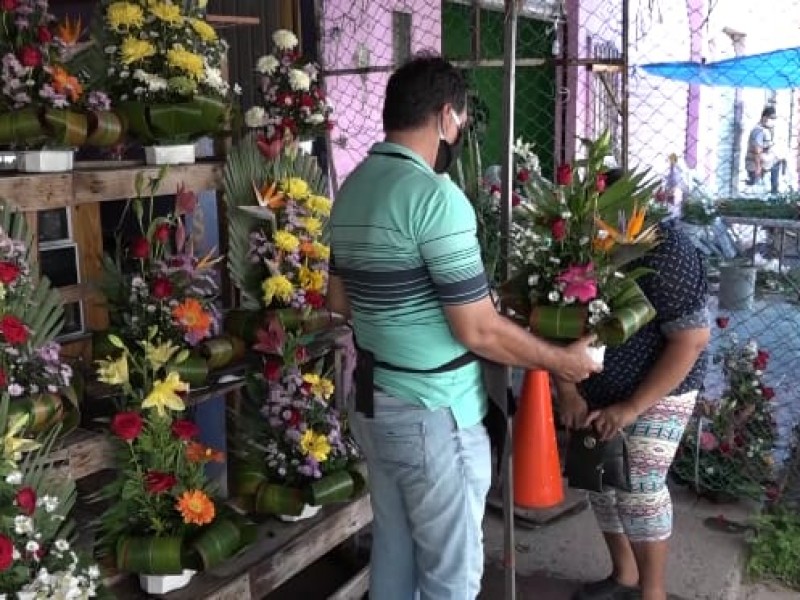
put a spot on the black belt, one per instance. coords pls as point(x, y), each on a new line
point(365, 375)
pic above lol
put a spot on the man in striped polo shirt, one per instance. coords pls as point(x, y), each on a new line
point(406, 269)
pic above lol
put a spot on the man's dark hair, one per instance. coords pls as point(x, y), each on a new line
point(613, 176)
point(768, 112)
point(419, 89)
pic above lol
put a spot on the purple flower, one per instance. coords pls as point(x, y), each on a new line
point(98, 100)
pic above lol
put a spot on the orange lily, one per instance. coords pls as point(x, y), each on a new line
point(69, 31)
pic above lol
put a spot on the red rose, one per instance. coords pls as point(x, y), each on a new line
point(516, 199)
point(723, 322)
point(306, 101)
point(6, 553)
point(26, 500)
point(8, 5)
point(127, 425)
point(564, 174)
point(162, 288)
point(495, 191)
point(284, 99)
point(269, 149)
point(185, 429)
point(8, 272)
point(768, 392)
point(524, 175)
point(559, 229)
point(725, 448)
point(161, 233)
point(600, 183)
point(140, 248)
point(30, 56)
point(13, 330)
point(294, 418)
point(3, 379)
point(761, 360)
point(272, 370)
point(157, 482)
point(315, 299)
point(289, 124)
point(43, 34)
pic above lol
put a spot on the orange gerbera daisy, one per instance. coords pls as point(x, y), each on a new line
point(199, 453)
point(192, 317)
point(196, 507)
point(64, 83)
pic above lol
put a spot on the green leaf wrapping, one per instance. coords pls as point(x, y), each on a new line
point(630, 311)
point(336, 487)
point(43, 411)
point(217, 542)
point(559, 322)
point(180, 122)
point(274, 499)
point(222, 351)
point(194, 370)
point(105, 129)
point(150, 555)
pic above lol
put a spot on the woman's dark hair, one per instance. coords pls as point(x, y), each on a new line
point(419, 89)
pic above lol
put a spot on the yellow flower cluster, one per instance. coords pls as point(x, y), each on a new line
point(204, 30)
point(277, 287)
point(133, 50)
point(295, 187)
point(189, 62)
point(321, 387)
point(123, 16)
point(167, 12)
point(311, 280)
point(316, 445)
point(319, 205)
point(285, 241)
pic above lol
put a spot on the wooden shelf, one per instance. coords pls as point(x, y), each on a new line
point(283, 550)
point(35, 192)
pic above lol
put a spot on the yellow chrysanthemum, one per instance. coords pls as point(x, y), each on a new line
point(133, 50)
point(316, 445)
point(124, 16)
point(277, 286)
point(320, 386)
point(204, 30)
point(311, 280)
point(320, 205)
point(295, 187)
point(312, 225)
point(167, 12)
point(286, 241)
point(321, 251)
point(188, 62)
point(164, 394)
point(113, 372)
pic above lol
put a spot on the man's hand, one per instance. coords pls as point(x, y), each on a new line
point(576, 364)
point(572, 409)
point(611, 420)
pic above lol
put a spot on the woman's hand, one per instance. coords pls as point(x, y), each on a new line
point(611, 420)
point(572, 410)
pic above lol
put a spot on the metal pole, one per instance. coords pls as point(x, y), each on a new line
point(625, 83)
point(509, 94)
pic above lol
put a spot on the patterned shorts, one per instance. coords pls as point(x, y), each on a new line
point(645, 514)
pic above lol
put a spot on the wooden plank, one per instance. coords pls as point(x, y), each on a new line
point(99, 186)
point(355, 588)
point(87, 233)
point(83, 453)
point(37, 192)
point(239, 589)
point(219, 21)
point(302, 550)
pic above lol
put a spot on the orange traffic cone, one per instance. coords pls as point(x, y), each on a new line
point(537, 472)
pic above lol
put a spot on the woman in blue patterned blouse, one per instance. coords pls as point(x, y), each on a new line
point(648, 388)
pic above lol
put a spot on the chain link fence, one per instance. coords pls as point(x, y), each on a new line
point(582, 70)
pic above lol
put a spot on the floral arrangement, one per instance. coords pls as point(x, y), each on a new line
point(728, 449)
point(569, 260)
point(304, 455)
point(41, 101)
point(294, 101)
point(166, 290)
point(31, 314)
point(163, 517)
point(163, 68)
point(37, 559)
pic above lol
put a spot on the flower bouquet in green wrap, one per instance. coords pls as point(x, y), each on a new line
point(43, 103)
point(571, 243)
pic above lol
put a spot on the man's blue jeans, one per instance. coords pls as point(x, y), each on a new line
point(428, 483)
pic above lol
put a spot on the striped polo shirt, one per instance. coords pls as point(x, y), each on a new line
point(403, 241)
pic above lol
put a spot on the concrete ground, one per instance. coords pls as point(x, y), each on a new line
point(706, 558)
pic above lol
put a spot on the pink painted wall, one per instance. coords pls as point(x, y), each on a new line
point(358, 33)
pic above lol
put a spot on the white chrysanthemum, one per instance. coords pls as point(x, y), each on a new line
point(50, 503)
point(266, 65)
point(533, 280)
point(299, 80)
point(61, 545)
point(23, 525)
point(32, 546)
point(215, 80)
point(254, 117)
point(553, 296)
point(93, 572)
point(14, 478)
point(284, 39)
point(316, 119)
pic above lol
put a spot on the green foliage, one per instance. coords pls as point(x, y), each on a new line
point(775, 548)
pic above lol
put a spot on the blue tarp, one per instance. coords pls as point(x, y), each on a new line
point(775, 70)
